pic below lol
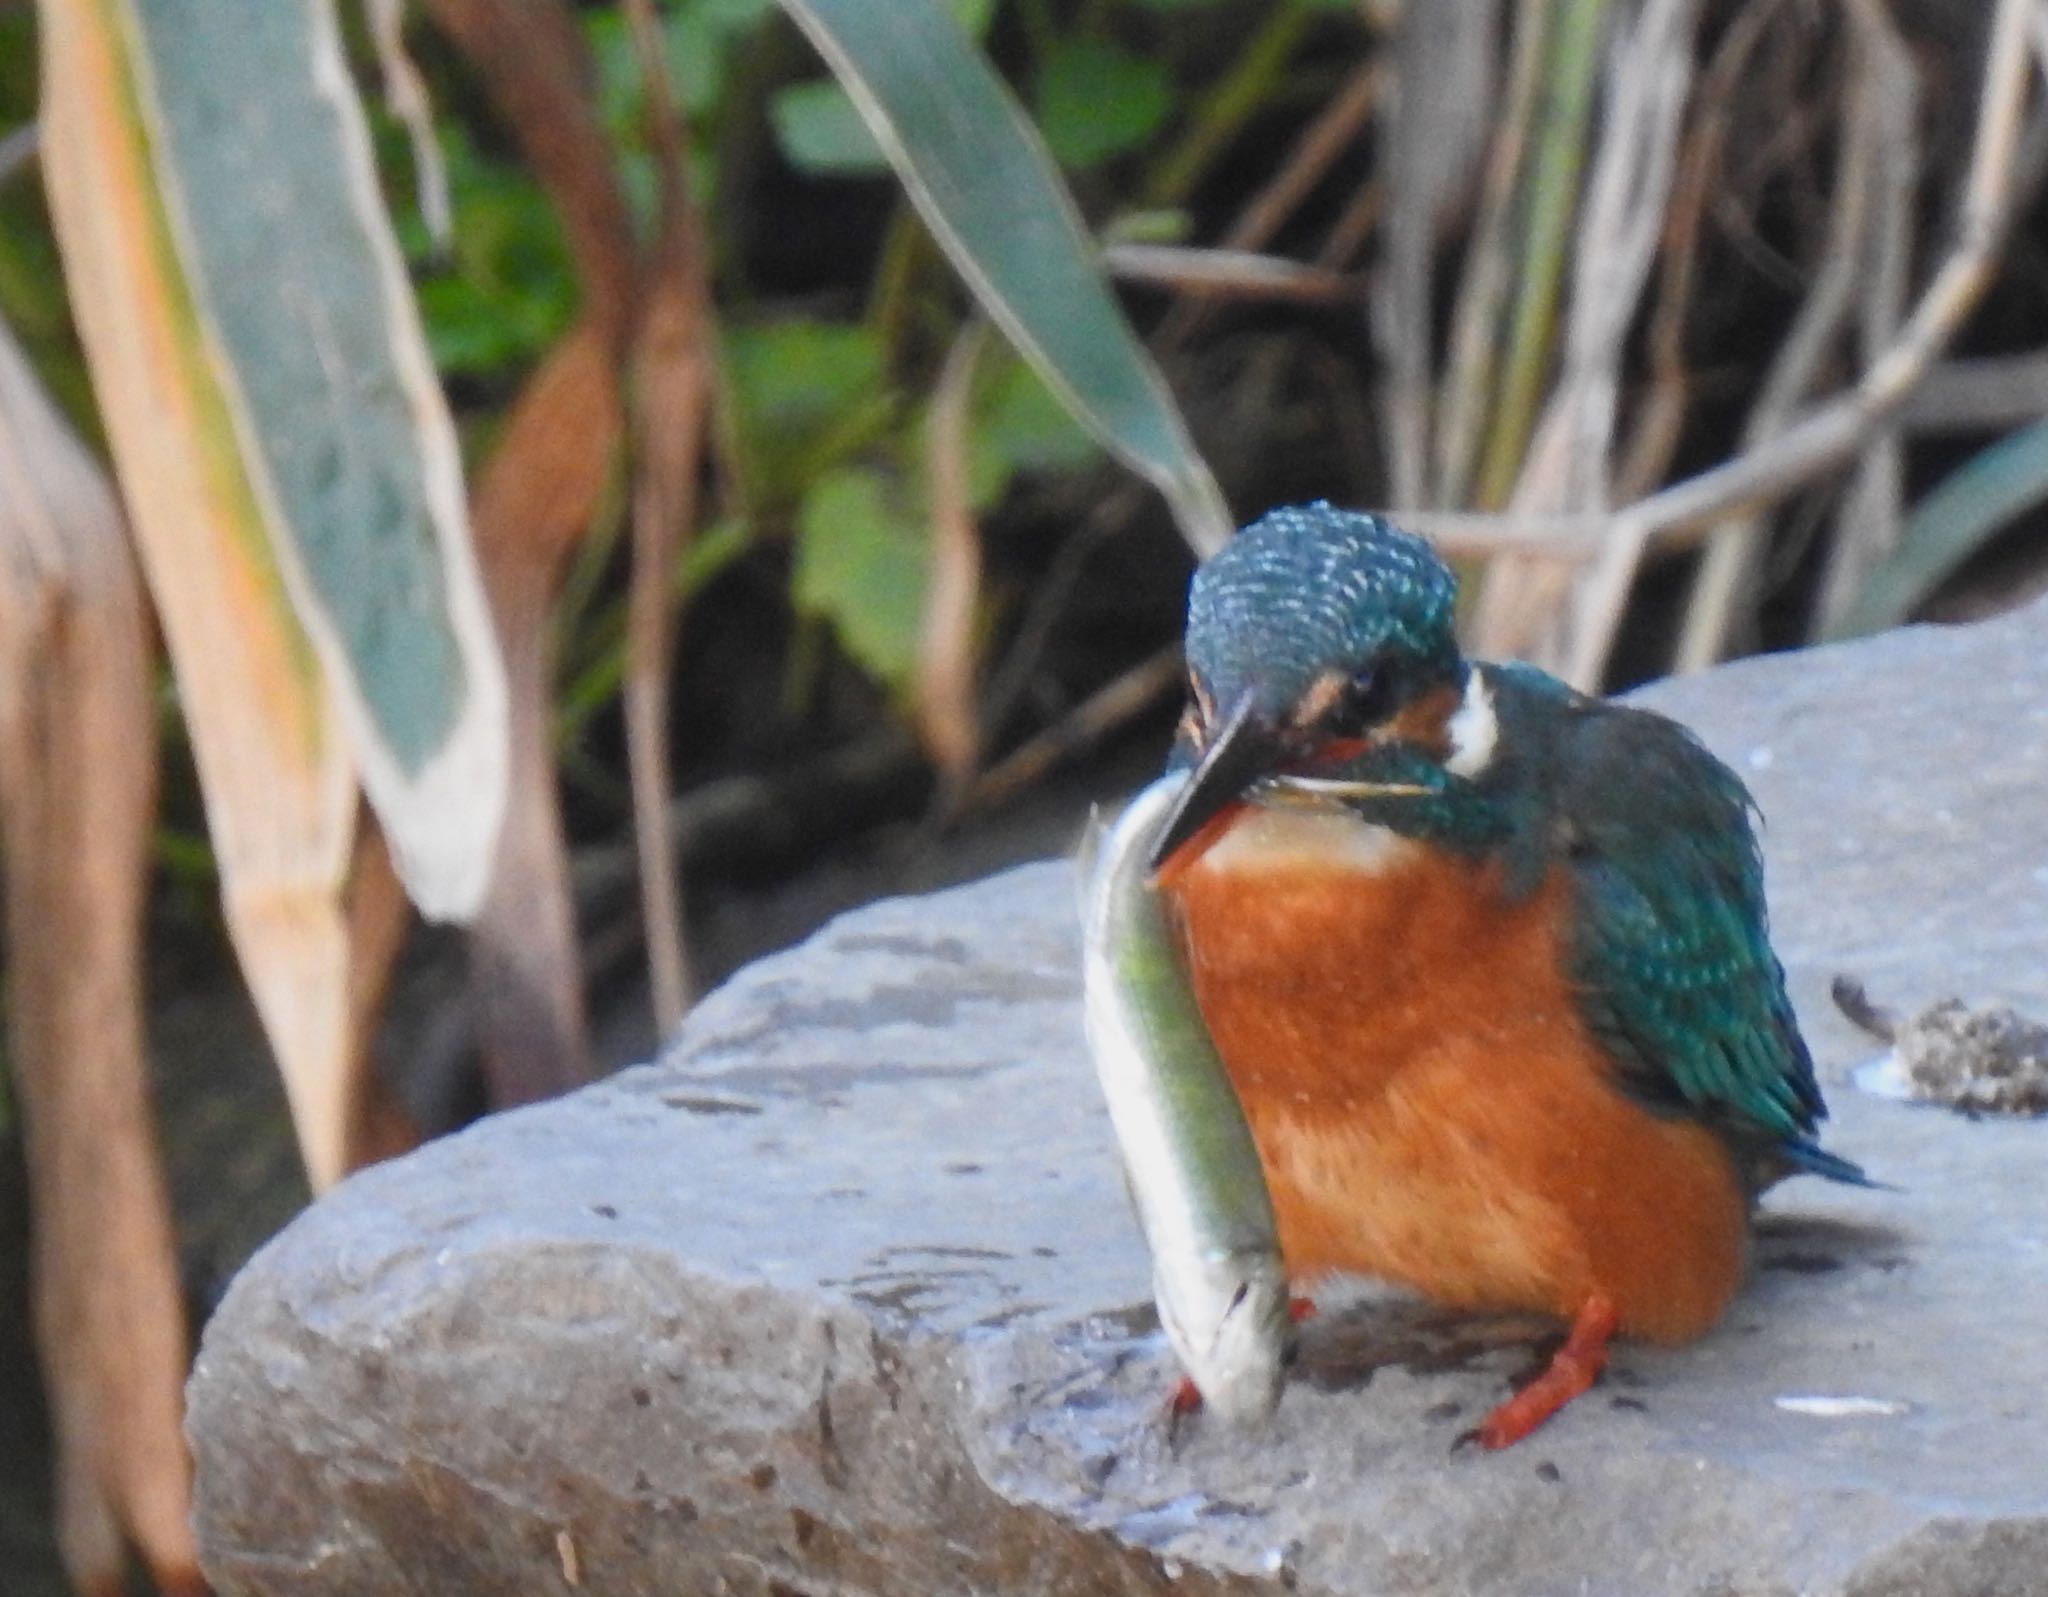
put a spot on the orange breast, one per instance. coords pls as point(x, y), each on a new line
point(1428, 1105)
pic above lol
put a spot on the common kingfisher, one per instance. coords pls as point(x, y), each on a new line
point(1486, 959)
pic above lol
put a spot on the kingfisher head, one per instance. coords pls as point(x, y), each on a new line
point(1322, 668)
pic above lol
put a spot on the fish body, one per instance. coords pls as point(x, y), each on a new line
point(1189, 1159)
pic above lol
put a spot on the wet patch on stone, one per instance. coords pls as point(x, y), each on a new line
point(947, 950)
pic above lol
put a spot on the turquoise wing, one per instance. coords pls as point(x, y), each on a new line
point(1671, 951)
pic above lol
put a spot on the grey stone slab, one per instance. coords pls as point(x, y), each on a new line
point(842, 1295)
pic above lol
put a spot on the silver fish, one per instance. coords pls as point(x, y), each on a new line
point(1189, 1160)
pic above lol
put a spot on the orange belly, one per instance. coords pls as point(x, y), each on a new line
point(1426, 1101)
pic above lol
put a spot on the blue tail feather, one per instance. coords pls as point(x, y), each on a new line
point(1816, 1160)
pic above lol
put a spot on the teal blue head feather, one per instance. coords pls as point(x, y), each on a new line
point(1308, 633)
point(1308, 590)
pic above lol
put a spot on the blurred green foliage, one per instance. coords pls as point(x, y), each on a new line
point(509, 289)
point(860, 563)
point(826, 394)
point(1094, 99)
point(827, 390)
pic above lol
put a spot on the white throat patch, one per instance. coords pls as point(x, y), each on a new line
point(1475, 729)
point(1263, 839)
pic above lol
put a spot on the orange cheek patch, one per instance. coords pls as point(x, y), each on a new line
point(1427, 722)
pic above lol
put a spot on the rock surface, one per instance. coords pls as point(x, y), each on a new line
point(842, 1295)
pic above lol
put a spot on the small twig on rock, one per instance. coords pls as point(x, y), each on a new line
point(1858, 1009)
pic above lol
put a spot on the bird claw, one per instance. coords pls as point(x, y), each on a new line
point(1572, 1371)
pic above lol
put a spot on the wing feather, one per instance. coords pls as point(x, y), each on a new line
point(1671, 952)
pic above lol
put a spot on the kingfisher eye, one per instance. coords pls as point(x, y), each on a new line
point(1367, 698)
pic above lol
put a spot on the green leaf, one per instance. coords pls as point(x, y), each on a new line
point(509, 289)
point(694, 43)
point(821, 133)
point(805, 394)
point(860, 563)
point(795, 374)
point(1959, 516)
point(709, 553)
point(982, 181)
point(262, 153)
point(1095, 100)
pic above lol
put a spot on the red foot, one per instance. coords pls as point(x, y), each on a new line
point(1577, 1365)
point(1299, 1309)
point(1186, 1399)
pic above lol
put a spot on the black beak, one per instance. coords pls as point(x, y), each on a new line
point(1245, 749)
